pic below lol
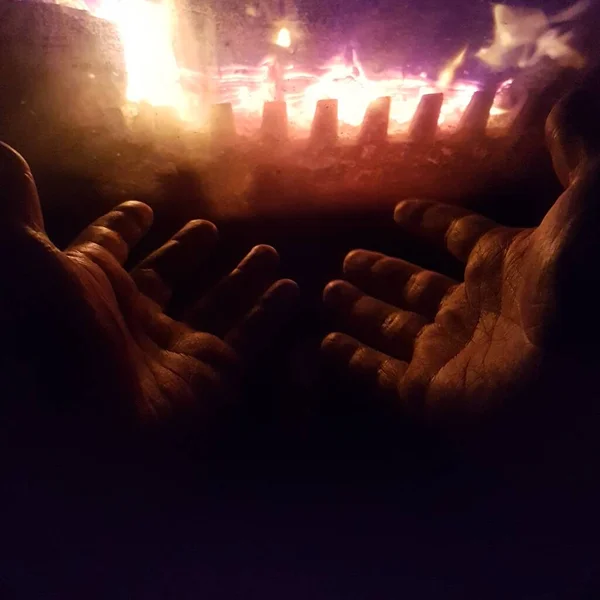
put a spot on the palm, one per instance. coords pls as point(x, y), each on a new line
point(113, 342)
point(443, 346)
point(477, 344)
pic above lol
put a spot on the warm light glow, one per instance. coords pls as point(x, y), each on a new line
point(449, 71)
point(248, 88)
point(146, 29)
point(284, 38)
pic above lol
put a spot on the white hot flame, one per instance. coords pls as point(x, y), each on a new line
point(284, 38)
point(147, 30)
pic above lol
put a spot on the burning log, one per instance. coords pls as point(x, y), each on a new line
point(424, 125)
point(376, 122)
point(274, 127)
point(324, 130)
point(222, 125)
point(474, 120)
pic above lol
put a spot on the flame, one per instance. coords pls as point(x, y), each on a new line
point(449, 71)
point(284, 38)
point(248, 88)
point(146, 29)
point(522, 36)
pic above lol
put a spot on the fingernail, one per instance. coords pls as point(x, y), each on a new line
point(199, 230)
point(285, 290)
point(406, 210)
point(141, 212)
point(360, 260)
point(263, 256)
point(338, 293)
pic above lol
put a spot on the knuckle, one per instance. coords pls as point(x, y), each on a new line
point(417, 285)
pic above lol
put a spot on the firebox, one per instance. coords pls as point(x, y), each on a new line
point(314, 99)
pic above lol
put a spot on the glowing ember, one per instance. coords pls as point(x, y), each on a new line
point(284, 38)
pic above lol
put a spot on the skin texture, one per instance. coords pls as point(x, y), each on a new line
point(451, 351)
point(88, 337)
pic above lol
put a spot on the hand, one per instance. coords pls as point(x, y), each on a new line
point(451, 351)
point(90, 337)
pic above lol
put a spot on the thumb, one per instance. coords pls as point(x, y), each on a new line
point(558, 305)
point(19, 201)
point(573, 133)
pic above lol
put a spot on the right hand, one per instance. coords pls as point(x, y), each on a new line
point(90, 337)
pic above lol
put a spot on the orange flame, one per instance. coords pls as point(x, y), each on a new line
point(446, 77)
point(146, 30)
point(248, 88)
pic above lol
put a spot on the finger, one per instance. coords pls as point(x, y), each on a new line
point(451, 227)
point(235, 295)
point(264, 321)
point(117, 231)
point(573, 133)
point(181, 256)
point(347, 355)
point(397, 281)
point(372, 321)
point(19, 201)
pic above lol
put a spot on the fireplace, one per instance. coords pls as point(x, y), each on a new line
point(277, 111)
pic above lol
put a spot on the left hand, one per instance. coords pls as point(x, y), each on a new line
point(454, 351)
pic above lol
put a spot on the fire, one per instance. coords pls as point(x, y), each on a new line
point(345, 81)
point(523, 36)
point(449, 71)
point(284, 38)
point(148, 30)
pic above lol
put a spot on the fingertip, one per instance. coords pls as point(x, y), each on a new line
point(266, 254)
point(265, 249)
point(406, 209)
point(337, 349)
point(19, 200)
point(200, 230)
point(202, 224)
point(573, 132)
point(285, 289)
point(358, 261)
point(331, 290)
point(141, 212)
point(338, 292)
point(331, 341)
point(10, 157)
